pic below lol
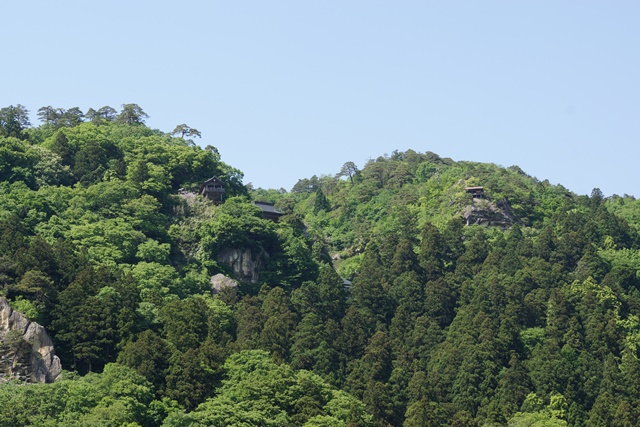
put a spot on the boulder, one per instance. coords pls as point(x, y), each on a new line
point(220, 282)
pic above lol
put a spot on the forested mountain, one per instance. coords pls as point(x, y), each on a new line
point(418, 291)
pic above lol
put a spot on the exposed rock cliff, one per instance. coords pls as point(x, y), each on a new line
point(245, 264)
point(26, 351)
point(487, 213)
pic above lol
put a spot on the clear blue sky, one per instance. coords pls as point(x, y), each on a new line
point(289, 89)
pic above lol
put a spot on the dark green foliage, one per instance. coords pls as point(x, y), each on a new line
point(185, 323)
point(250, 319)
point(326, 297)
point(93, 314)
point(59, 117)
point(476, 252)
point(184, 130)
point(131, 114)
point(512, 389)
point(369, 379)
point(104, 114)
point(188, 379)
point(14, 120)
point(355, 332)
point(321, 203)
point(433, 251)
point(407, 290)
point(312, 349)
point(277, 332)
point(370, 289)
point(444, 323)
point(404, 259)
point(149, 356)
point(426, 414)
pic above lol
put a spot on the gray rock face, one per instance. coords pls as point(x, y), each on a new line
point(220, 282)
point(246, 265)
point(26, 351)
point(487, 213)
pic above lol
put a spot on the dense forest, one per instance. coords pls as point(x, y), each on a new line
point(386, 296)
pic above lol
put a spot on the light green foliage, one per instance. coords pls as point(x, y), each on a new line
point(603, 294)
point(629, 258)
point(537, 415)
point(324, 421)
point(627, 207)
point(349, 267)
point(155, 281)
point(17, 161)
point(444, 324)
point(116, 397)
point(26, 307)
point(152, 251)
point(532, 337)
point(257, 392)
point(49, 169)
point(220, 314)
point(557, 406)
point(108, 241)
point(237, 224)
point(537, 419)
point(429, 186)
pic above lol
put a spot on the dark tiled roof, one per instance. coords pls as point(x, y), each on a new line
point(212, 179)
point(267, 207)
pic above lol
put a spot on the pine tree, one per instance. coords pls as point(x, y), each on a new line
point(433, 252)
point(149, 355)
point(369, 288)
point(321, 203)
point(332, 297)
point(188, 379)
point(279, 327)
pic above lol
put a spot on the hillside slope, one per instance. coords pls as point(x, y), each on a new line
point(507, 305)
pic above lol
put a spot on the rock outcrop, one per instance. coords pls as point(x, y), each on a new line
point(488, 213)
point(26, 351)
point(245, 264)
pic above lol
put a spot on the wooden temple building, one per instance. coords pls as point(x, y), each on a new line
point(213, 189)
point(476, 192)
point(269, 211)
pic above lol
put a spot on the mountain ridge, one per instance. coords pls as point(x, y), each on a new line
point(445, 321)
